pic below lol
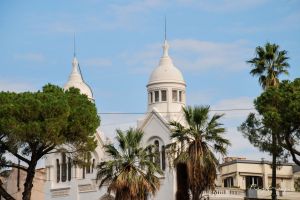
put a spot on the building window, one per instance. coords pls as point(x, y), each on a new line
point(69, 169)
point(254, 182)
point(164, 95)
point(157, 153)
point(88, 166)
point(180, 96)
point(174, 95)
point(83, 172)
point(228, 182)
point(93, 165)
point(163, 157)
point(151, 97)
point(63, 167)
point(150, 154)
point(57, 171)
point(156, 96)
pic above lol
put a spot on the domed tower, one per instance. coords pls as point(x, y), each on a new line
point(166, 88)
point(76, 80)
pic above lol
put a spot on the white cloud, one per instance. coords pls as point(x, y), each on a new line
point(62, 27)
point(97, 62)
point(223, 5)
point(115, 15)
point(31, 57)
point(111, 122)
point(194, 55)
point(201, 55)
point(289, 22)
point(239, 108)
point(241, 147)
point(199, 97)
point(15, 86)
point(143, 61)
point(136, 6)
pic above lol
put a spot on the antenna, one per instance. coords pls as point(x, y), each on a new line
point(74, 46)
point(165, 27)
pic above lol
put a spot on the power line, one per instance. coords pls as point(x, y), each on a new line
point(141, 113)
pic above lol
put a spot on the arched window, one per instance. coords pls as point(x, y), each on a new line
point(150, 153)
point(88, 167)
point(93, 165)
point(163, 157)
point(157, 153)
point(69, 169)
point(63, 167)
point(57, 170)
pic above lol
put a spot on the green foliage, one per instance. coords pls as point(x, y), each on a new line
point(34, 123)
point(280, 109)
point(194, 147)
point(129, 173)
point(268, 64)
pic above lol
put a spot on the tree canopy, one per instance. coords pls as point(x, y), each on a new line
point(280, 109)
point(32, 124)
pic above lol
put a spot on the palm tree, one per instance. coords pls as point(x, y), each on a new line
point(198, 140)
point(268, 64)
point(130, 172)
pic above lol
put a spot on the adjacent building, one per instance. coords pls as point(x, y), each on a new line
point(13, 182)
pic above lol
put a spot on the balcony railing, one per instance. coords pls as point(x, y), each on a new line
point(225, 193)
point(240, 194)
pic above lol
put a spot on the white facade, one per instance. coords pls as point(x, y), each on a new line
point(166, 97)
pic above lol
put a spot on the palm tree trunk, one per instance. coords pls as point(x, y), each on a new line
point(182, 192)
point(196, 195)
point(274, 155)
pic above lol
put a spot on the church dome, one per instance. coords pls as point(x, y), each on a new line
point(76, 80)
point(166, 72)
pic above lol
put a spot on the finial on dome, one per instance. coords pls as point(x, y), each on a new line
point(165, 49)
point(165, 45)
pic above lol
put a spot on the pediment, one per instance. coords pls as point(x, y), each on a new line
point(155, 126)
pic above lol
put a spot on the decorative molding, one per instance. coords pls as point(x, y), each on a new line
point(60, 192)
point(86, 188)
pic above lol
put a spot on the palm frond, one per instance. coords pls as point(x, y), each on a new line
point(130, 173)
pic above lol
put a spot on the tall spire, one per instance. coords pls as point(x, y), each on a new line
point(165, 45)
point(165, 27)
point(74, 46)
point(76, 79)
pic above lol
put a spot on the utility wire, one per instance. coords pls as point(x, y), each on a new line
point(141, 113)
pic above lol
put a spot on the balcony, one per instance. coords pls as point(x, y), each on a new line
point(239, 194)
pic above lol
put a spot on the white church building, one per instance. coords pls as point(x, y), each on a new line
point(166, 90)
point(166, 97)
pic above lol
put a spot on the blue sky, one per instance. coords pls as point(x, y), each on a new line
point(119, 44)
